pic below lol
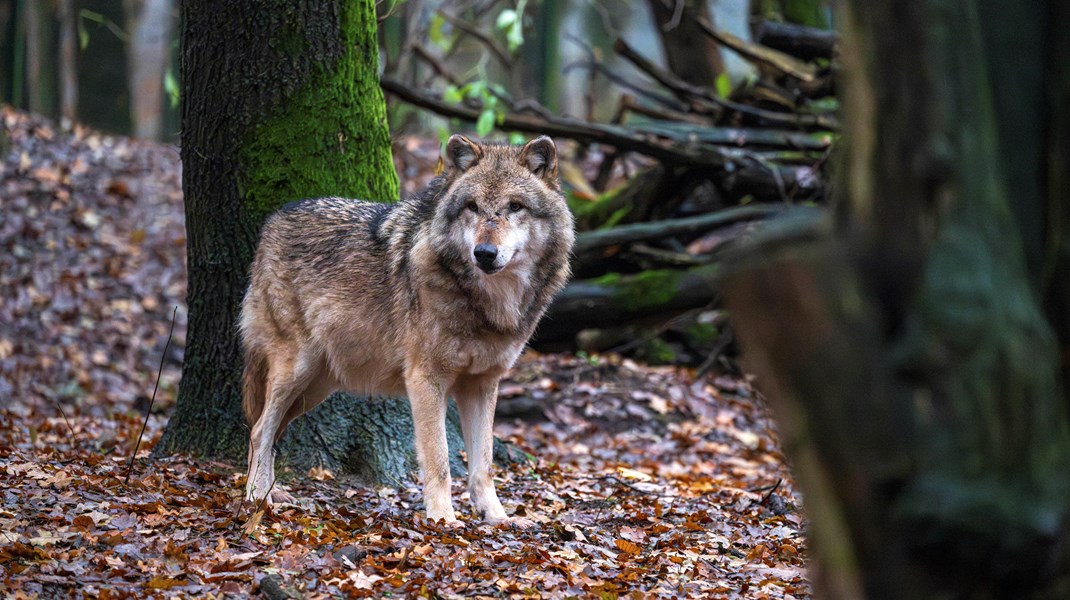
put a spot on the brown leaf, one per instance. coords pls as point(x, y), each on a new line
point(164, 583)
point(628, 547)
point(250, 526)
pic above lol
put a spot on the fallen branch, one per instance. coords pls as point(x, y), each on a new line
point(744, 171)
point(630, 104)
point(614, 299)
point(595, 64)
point(591, 240)
point(684, 133)
point(799, 41)
point(565, 127)
point(704, 98)
point(775, 59)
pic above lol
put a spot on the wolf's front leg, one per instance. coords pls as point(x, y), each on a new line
point(427, 395)
point(476, 399)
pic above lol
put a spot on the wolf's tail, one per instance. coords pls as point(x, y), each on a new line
point(254, 384)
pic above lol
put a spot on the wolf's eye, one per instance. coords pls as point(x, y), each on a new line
point(515, 207)
point(472, 207)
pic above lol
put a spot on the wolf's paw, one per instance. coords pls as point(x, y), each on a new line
point(444, 516)
point(275, 496)
point(280, 496)
point(513, 522)
point(450, 523)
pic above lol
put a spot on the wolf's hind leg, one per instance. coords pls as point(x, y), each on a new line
point(427, 395)
point(317, 391)
point(476, 397)
point(288, 379)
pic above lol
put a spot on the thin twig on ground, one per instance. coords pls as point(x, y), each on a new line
point(159, 374)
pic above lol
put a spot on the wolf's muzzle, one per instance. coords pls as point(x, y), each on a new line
point(485, 256)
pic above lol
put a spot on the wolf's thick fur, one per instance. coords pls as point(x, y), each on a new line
point(432, 297)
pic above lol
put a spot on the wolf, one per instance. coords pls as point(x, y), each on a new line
point(431, 297)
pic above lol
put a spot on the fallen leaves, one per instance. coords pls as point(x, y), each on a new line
point(648, 482)
point(627, 547)
point(92, 253)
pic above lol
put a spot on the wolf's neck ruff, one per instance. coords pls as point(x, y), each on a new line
point(455, 278)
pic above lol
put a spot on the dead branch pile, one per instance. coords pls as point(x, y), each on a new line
point(679, 175)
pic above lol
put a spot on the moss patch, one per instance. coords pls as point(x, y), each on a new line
point(330, 135)
point(701, 334)
point(645, 289)
point(657, 352)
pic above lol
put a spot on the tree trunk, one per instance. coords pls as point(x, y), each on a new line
point(280, 101)
point(910, 364)
point(149, 25)
point(40, 76)
point(691, 54)
point(68, 61)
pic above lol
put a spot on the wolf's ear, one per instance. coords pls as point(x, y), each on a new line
point(462, 153)
point(540, 155)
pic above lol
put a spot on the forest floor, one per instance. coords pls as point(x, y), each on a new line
point(647, 481)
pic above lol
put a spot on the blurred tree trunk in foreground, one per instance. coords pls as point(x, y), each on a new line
point(913, 356)
point(281, 101)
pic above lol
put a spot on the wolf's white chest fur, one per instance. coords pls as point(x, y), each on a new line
point(504, 295)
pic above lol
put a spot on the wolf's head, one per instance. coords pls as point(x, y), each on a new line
point(502, 206)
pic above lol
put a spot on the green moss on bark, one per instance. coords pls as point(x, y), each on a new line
point(645, 289)
point(331, 136)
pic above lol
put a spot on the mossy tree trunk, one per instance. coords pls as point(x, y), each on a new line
point(281, 101)
point(910, 357)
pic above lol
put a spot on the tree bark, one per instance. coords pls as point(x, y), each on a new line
point(908, 359)
point(281, 101)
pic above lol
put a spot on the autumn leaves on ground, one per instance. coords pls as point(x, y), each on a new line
point(647, 481)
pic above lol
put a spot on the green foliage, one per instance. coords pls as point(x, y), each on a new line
point(101, 21)
point(171, 88)
point(437, 34)
point(702, 334)
point(489, 94)
point(511, 22)
point(724, 85)
point(657, 351)
point(592, 359)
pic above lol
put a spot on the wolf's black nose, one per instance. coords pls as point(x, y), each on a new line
point(485, 255)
